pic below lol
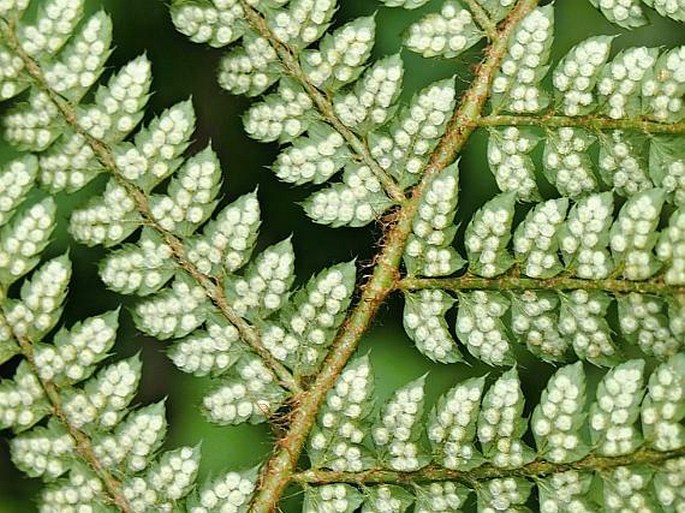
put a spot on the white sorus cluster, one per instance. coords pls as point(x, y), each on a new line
point(576, 75)
point(108, 220)
point(339, 437)
point(12, 81)
point(431, 236)
point(16, 179)
point(191, 194)
point(341, 55)
point(332, 498)
point(354, 202)
point(247, 398)
point(642, 320)
point(445, 34)
point(74, 353)
point(41, 300)
point(248, 70)
point(480, 327)
point(534, 318)
point(306, 331)
point(117, 107)
point(503, 495)
point(632, 235)
point(566, 162)
point(281, 115)
point(104, 398)
point(487, 236)
point(28, 234)
point(312, 159)
point(620, 81)
point(169, 481)
point(627, 490)
point(662, 410)
point(627, 13)
point(672, 8)
point(662, 94)
point(582, 319)
point(134, 441)
point(214, 24)
point(55, 23)
point(304, 21)
point(424, 321)
point(138, 269)
point(669, 483)
point(387, 499)
point(509, 161)
point(176, 311)
point(413, 136)
point(158, 145)
point(440, 497)
point(13, 6)
point(373, 96)
point(43, 452)
point(499, 423)
point(620, 166)
point(81, 61)
point(32, 125)
point(228, 494)
point(21, 402)
point(80, 494)
point(393, 434)
point(671, 248)
point(525, 61)
point(68, 164)
point(453, 427)
point(203, 353)
point(535, 239)
point(406, 4)
point(613, 416)
point(583, 239)
point(674, 180)
point(265, 285)
point(557, 419)
point(564, 493)
point(227, 241)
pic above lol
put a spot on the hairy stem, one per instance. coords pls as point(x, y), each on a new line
point(104, 155)
point(562, 282)
point(591, 122)
point(83, 443)
point(277, 472)
point(482, 18)
point(535, 469)
point(322, 102)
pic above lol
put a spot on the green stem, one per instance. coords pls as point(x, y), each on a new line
point(482, 18)
point(277, 472)
point(104, 155)
point(533, 470)
point(562, 282)
point(83, 444)
point(550, 120)
point(322, 102)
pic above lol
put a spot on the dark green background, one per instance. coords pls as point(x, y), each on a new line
point(182, 69)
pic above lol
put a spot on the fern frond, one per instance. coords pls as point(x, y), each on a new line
point(475, 445)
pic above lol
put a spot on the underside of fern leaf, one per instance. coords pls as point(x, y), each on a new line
point(576, 264)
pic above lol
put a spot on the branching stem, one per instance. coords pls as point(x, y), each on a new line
point(277, 472)
point(592, 122)
point(83, 443)
point(322, 102)
point(104, 155)
point(558, 283)
point(536, 469)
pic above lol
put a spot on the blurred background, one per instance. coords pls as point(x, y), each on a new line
point(181, 70)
